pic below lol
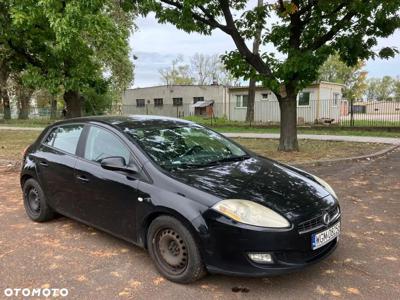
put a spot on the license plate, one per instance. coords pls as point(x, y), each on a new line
point(322, 238)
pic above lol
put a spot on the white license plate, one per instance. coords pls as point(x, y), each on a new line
point(322, 238)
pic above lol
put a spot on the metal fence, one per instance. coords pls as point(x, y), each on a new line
point(327, 112)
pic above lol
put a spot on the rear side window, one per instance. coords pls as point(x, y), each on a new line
point(101, 143)
point(65, 138)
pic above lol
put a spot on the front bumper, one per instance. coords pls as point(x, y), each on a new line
point(227, 244)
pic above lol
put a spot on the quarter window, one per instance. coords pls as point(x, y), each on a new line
point(101, 143)
point(65, 138)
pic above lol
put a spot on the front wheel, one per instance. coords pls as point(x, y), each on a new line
point(174, 250)
point(35, 202)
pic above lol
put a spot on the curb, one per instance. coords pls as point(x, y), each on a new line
point(350, 159)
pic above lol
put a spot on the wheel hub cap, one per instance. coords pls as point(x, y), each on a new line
point(172, 250)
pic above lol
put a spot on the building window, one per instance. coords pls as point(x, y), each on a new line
point(241, 100)
point(158, 102)
point(336, 97)
point(177, 101)
point(140, 102)
point(197, 99)
point(304, 99)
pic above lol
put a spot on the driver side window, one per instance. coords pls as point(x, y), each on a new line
point(101, 143)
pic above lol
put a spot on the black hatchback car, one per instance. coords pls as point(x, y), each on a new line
point(196, 200)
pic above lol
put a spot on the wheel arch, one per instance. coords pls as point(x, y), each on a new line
point(165, 211)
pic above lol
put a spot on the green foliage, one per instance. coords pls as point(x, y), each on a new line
point(69, 45)
point(353, 77)
point(307, 33)
point(381, 89)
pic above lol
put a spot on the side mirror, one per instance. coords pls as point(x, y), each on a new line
point(117, 163)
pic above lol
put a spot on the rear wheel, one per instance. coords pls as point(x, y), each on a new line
point(35, 202)
point(174, 250)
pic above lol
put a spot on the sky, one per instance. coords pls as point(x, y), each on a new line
point(156, 45)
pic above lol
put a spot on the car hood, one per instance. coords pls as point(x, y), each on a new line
point(257, 179)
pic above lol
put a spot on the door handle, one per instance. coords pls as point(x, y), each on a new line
point(44, 164)
point(82, 178)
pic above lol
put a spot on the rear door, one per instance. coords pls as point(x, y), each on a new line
point(107, 198)
point(55, 163)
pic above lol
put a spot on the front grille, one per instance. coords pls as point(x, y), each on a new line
point(318, 222)
point(297, 257)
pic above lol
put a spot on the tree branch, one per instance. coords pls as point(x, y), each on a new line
point(206, 19)
point(331, 33)
point(253, 59)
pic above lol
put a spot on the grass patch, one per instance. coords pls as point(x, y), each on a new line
point(13, 142)
point(27, 123)
point(310, 150)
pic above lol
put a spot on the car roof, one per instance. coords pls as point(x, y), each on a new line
point(130, 121)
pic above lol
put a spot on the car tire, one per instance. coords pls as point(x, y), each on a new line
point(35, 202)
point(174, 250)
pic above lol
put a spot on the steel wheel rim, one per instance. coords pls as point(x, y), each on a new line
point(33, 200)
point(171, 251)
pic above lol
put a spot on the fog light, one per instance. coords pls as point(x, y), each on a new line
point(261, 258)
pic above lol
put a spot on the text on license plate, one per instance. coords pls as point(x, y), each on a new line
point(322, 238)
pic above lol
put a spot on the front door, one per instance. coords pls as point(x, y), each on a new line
point(107, 198)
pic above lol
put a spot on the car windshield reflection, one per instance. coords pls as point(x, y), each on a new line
point(185, 146)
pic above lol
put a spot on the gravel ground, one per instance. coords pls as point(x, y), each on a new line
point(94, 265)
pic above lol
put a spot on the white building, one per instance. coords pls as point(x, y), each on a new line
point(318, 101)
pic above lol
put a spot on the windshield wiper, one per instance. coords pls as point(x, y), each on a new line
point(228, 159)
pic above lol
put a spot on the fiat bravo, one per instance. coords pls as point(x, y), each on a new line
point(196, 200)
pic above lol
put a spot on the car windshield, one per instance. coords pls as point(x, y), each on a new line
point(185, 146)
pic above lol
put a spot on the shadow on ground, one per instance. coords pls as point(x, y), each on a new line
point(94, 265)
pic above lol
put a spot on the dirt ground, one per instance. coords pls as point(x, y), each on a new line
point(94, 265)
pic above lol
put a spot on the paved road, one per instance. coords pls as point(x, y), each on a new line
point(94, 265)
point(359, 139)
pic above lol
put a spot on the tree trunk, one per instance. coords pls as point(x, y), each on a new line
point(53, 109)
point(250, 101)
point(288, 138)
point(4, 74)
point(23, 112)
point(252, 83)
point(73, 104)
point(24, 102)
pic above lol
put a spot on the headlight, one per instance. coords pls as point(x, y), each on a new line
point(251, 213)
point(326, 186)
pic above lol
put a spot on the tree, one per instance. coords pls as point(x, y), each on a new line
point(253, 80)
point(22, 95)
point(307, 33)
point(385, 88)
point(210, 69)
point(397, 90)
point(177, 74)
point(82, 42)
point(372, 89)
point(353, 77)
